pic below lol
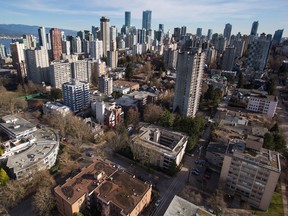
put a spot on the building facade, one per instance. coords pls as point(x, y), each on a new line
point(158, 146)
point(75, 95)
point(190, 68)
point(105, 85)
point(105, 34)
point(251, 175)
point(265, 104)
point(146, 20)
point(56, 43)
point(60, 73)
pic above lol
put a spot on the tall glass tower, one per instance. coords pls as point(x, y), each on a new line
point(127, 18)
point(254, 28)
point(146, 19)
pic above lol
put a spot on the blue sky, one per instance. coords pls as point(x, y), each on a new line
point(214, 14)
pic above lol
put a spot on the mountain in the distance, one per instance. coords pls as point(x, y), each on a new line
point(15, 30)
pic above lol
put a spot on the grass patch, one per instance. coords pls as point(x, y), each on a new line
point(275, 208)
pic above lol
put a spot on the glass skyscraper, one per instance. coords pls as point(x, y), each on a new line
point(146, 20)
point(127, 18)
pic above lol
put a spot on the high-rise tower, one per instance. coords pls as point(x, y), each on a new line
point(127, 18)
point(227, 32)
point(254, 28)
point(56, 43)
point(190, 69)
point(42, 37)
point(146, 19)
point(105, 34)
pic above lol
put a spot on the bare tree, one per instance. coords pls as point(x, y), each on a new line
point(43, 201)
point(132, 116)
point(152, 113)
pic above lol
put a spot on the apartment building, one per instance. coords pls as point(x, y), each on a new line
point(159, 146)
point(265, 104)
point(251, 174)
point(104, 187)
point(75, 95)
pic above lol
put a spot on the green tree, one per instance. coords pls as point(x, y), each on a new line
point(192, 141)
point(129, 72)
point(279, 143)
point(275, 128)
point(1, 151)
point(78, 214)
point(173, 169)
point(3, 177)
point(167, 119)
point(56, 94)
point(269, 141)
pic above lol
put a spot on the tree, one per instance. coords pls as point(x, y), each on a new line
point(3, 177)
point(43, 201)
point(192, 141)
point(152, 113)
point(269, 141)
point(173, 169)
point(12, 193)
point(240, 81)
point(167, 119)
point(132, 116)
point(279, 143)
point(271, 86)
point(78, 214)
point(129, 72)
point(56, 94)
point(275, 128)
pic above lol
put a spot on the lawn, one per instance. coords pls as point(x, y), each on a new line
point(275, 208)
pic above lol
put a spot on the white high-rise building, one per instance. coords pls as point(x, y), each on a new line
point(60, 73)
point(112, 59)
point(113, 35)
point(96, 49)
point(81, 70)
point(105, 34)
point(77, 45)
point(66, 47)
point(37, 65)
point(75, 95)
point(190, 68)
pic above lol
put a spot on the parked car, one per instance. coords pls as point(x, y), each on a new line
point(157, 203)
point(195, 173)
point(195, 169)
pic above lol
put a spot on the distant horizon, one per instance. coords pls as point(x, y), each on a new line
point(206, 14)
point(203, 33)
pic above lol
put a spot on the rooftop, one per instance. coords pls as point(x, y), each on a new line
point(44, 141)
point(108, 182)
point(123, 190)
point(180, 206)
point(161, 139)
point(125, 84)
point(16, 125)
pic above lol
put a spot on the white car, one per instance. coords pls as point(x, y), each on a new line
point(157, 203)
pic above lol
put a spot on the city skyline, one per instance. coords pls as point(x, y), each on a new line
point(207, 14)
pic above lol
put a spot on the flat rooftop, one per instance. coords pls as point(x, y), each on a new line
point(180, 206)
point(168, 140)
point(45, 142)
point(264, 158)
point(125, 84)
point(15, 124)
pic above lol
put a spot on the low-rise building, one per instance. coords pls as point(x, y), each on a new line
point(107, 113)
point(29, 150)
point(180, 206)
point(265, 104)
point(55, 107)
point(125, 87)
point(158, 146)
point(103, 187)
point(16, 127)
